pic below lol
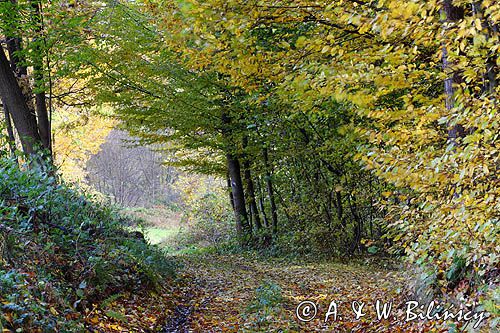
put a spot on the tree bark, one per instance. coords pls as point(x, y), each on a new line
point(13, 46)
point(40, 100)
point(12, 95)
point(340, 209)
point(240, 211)
point(270, 193)
point(252, 202)
point(10, 130)
point(261, 204)
point(358, 224)
point(234, 172)
point(42, 115)
point(231, 198)
point(251, 197)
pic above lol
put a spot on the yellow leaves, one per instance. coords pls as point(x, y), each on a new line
point(478, 24)
point(116, 327)
point(486, 170)
point(301, 41)
point(77, 137)
point(361, 99)
point(403, 10)
point(237, 284)
point(394, 79)
point(408, 9)
point(364, 28)
point(354, 19)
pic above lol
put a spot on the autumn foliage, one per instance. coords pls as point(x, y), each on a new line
point(341, 127)
point(420, 81)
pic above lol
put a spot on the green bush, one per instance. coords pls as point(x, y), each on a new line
point(208, 221)
point(61, 251)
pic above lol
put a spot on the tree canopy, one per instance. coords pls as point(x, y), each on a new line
point(341, 126)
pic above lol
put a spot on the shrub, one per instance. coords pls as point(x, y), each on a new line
point(208, 220)
point(62, 250)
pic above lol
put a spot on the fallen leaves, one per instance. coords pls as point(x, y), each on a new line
point(144, 311)
point(223, 291)
point(235, 293)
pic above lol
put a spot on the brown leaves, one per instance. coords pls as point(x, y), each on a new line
point(223, 291)
point(145, 311)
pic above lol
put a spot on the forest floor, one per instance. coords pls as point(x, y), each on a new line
point(244, 293)
point(216, 292)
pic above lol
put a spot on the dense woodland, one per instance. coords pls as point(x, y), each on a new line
point(341, 129)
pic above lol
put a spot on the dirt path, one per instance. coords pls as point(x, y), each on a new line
point(232, 293)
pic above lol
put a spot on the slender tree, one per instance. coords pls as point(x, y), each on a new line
point(14, 99)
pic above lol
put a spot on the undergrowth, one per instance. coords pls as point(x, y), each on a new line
point(62, 253)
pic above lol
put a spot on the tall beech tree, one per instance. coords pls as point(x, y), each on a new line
point(30, 119)
point(38, 77)
point(32, 47)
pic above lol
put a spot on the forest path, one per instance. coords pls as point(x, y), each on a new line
point(243, 293)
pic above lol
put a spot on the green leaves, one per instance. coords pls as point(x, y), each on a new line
point(68, 252)
point(314, 84)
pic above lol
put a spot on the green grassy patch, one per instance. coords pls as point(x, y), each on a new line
point(157, 235)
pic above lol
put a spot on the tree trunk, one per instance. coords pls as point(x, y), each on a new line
point(270, 193)
point(12, 95)
point(251, 197)
point(240, 211)
point(358, 224)
point(452, 14)
point(13, 46)
point(10, 130)
point(40, 100)
point(340, 209)
point(231, 198)
point(261, 204)
point(43, 116)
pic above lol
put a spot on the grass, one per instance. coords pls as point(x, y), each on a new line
point(159, 224)
point(157, 235)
